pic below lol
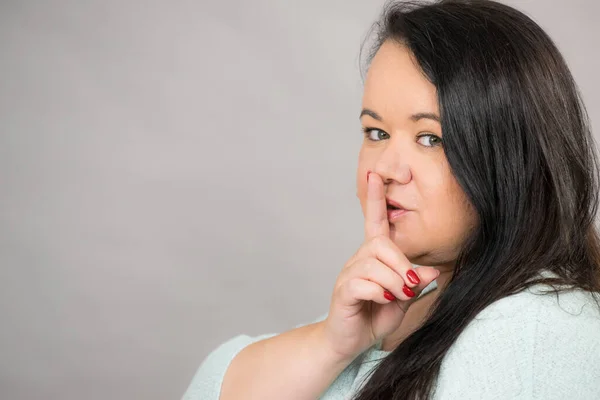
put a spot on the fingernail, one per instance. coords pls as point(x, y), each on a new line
point(388, 295)
point(412, 276)
point(407, 291)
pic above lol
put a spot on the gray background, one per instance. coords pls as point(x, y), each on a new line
point(175, 173)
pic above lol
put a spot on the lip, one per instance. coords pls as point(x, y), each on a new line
point(394, 203)
point(394, 215)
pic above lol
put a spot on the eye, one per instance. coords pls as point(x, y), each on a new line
point(377, 136)
point(430, 140)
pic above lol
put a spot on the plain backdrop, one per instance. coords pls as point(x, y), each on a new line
point(174, 173)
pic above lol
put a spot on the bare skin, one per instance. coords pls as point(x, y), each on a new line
point(409, 166)
point(404, 146)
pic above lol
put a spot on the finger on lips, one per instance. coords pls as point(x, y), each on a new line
point(377, 229)
point(376, 220)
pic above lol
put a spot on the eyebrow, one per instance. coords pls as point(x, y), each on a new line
point(414, 117)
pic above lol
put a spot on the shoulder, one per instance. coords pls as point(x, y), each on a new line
point(528, 345)
point(535, 305)
point(207, 381)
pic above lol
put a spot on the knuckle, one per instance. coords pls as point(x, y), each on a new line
point(353, 288)
point(377, 242)
point(338, 286)
point(368, 265)
point(350, 269)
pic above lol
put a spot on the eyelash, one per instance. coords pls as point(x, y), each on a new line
point(367, 132)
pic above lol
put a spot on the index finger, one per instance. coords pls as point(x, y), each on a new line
point(376, 219)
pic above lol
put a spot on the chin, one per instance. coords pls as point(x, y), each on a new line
point(401, 239)
point(415, 253)
point(407, 248)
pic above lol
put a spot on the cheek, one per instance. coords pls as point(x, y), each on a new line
point(441, 193)
point(450, 213)
point(361, 178)
point(361, 188)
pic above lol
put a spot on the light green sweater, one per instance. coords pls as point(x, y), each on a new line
point(525, 346)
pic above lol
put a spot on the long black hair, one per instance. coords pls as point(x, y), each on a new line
point(518, 141)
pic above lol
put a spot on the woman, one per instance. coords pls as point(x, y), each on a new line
point(479, 162)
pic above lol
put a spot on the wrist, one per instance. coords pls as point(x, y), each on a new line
point(330, 356)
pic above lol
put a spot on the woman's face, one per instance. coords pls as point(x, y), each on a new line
point(407, 153)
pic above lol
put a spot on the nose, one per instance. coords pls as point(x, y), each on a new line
point(393, 165)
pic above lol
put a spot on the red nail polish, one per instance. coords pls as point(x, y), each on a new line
point(407, 291)
point(412, 276)
point(389, 295)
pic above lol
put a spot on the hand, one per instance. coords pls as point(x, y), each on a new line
point(359, 314)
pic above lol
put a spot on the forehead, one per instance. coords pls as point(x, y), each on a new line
point(395, 85)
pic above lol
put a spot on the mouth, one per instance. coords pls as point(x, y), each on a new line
point(395, 210)
point(393, 205)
